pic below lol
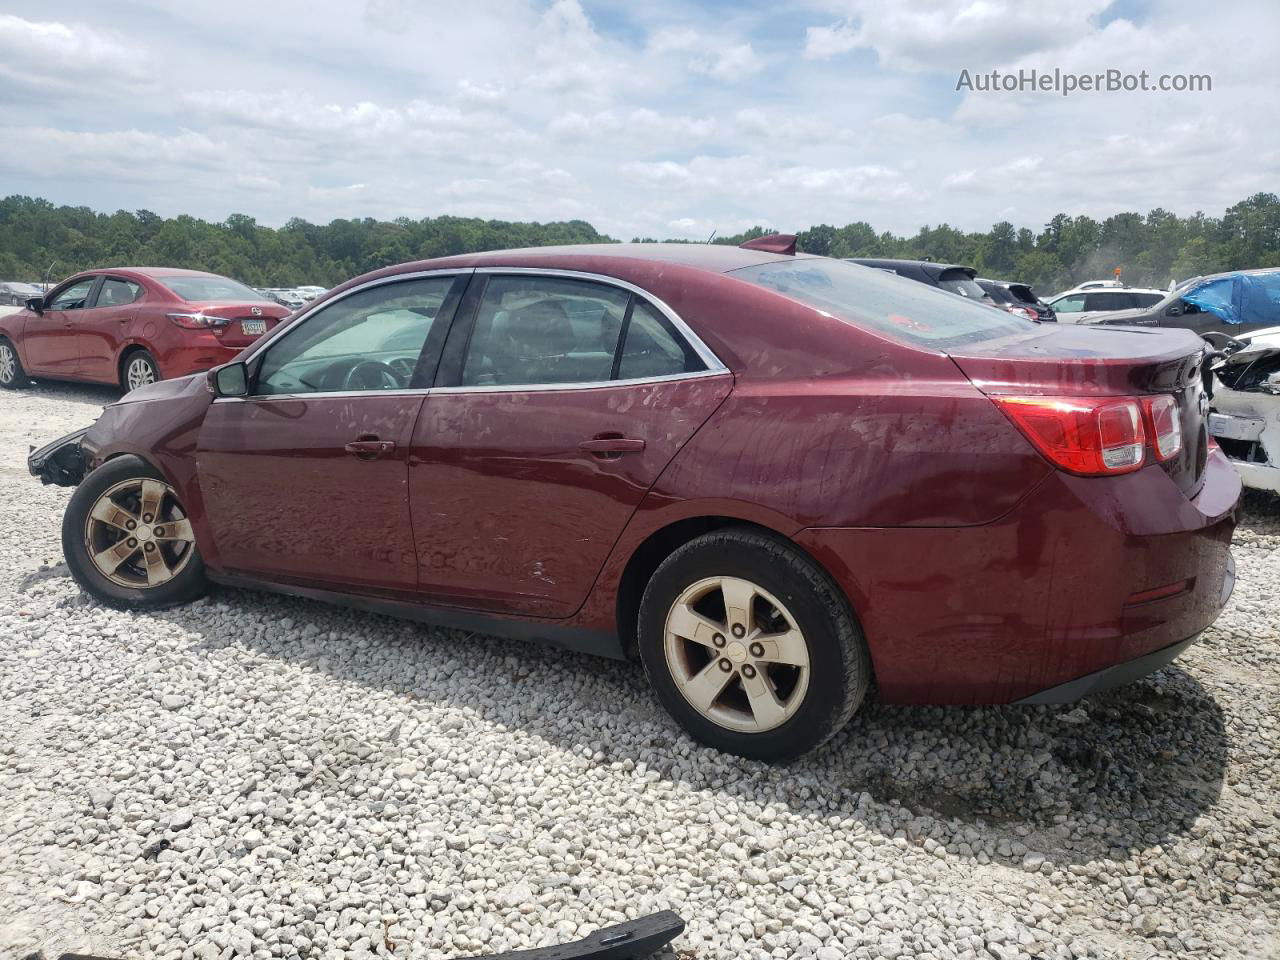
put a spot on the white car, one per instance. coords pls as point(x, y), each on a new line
point(1245, 414)
point(1085, 306)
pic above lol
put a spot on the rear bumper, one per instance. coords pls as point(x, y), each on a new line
point(1109, 678)
point(1057, 591)
point(196, 358)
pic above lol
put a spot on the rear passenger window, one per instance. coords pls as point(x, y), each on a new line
point(653, 348)
point(117, 293)
point(544, 330)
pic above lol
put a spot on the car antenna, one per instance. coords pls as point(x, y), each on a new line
point(712, 237)
point(47, 273)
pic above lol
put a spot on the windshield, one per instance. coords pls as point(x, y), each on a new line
point(902, 309)
point(959, 282)
point(209, 287)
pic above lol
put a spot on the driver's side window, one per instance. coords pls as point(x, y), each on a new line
point(371, 340)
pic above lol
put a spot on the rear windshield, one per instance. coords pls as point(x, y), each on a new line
point(997, 293)
point(902, 309)
point(210, 288)
point(959, 281)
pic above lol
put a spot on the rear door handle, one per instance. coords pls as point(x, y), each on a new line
point(603, 446)
point(370, 449)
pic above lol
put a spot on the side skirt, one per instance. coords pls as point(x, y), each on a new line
point(577, 639)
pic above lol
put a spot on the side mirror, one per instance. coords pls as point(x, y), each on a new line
point(1173, 310)
point(228, 380)
point(35, 304)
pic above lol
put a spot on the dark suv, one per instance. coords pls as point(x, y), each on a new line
point(948, 276)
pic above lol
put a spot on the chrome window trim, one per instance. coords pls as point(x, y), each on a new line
point(714, 366)
point(583, 385)
point(497, 388)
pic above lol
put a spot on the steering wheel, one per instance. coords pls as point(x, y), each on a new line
point(370, 375)
point(403, 368)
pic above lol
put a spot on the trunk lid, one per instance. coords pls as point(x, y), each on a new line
point(1091, 361)
point(248, 320)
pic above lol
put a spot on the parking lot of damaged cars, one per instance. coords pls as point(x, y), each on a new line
point(262, 776)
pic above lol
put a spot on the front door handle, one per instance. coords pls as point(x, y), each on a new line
point(606, 446)
point(370, 448)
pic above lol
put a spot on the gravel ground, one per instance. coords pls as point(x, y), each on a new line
point(259, 776)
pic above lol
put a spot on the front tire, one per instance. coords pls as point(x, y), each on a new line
point(12, 375)
point(128, 541)
point(138, 370)
point(750, 647)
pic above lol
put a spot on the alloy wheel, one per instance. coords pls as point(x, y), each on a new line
point(736, 654)
point(8, 364)
point(137, 534)
point(139, 373)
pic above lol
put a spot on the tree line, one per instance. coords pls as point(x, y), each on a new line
point(1151, 249)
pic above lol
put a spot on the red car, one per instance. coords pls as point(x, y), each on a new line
point(132, 326)
point(774, 478)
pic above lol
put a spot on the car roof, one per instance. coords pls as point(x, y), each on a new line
point(927, 266)
point(1077, 291)
point(158, 272)
point(712, 257)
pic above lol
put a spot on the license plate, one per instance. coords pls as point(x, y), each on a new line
point(1235, 428)
point(253, 328)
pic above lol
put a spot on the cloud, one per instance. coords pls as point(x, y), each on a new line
point(713, 56)
point(655, 119)
point(67, 59)
point(952, 34)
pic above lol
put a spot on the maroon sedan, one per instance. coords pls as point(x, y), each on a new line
point(132, 326)
point(773, 478)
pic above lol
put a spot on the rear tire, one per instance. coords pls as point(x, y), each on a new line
point(12, 375)
point(778, 665)
point(138, 369)
point(127, 539)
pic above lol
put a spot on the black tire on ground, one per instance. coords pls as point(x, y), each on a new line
point(840, 667)
point(138, 357)
point(188, 584)
point(12, 375)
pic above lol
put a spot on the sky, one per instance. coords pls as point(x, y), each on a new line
point(663, 118)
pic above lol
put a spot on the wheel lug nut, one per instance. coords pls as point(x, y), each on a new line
point(132, 542)
point(131, 524)
point(757, 649)
point(150, 547)
point(146, 518)
point(718, 639)
point(159, 531)
point(739, 631)
point(748, 671)
point(726, 666)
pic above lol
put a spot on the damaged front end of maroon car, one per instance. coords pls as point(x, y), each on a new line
point(62, 463)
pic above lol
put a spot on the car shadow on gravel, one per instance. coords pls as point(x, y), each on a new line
point(71, 390)
point(1083, 782)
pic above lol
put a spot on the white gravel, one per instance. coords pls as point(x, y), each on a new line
point(263, 777)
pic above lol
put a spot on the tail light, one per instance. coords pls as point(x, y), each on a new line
point(1165, 424)
point(1026, 312)
point(1085, 435)
point(198, 321)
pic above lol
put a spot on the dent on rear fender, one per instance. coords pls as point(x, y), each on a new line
point(945, 457)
